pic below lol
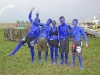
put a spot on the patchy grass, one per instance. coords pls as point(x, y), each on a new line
point(20, 64)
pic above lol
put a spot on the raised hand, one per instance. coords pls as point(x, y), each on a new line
point(37, 14)
point(32, 9)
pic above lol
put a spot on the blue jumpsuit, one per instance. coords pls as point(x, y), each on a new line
point(77, 33)
point(44, 34)
point(53, 42)
point(31, 38)
point(63, 40)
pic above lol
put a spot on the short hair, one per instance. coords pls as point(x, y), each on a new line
point(50, 20)
point(75, 20)
point(38, 20)
point(54, 21)
point(61, 17)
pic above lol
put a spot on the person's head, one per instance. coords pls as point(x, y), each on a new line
point(75, 22)
point(53, 23)
point(49, 21)
point(62, 19)
point(35, 21)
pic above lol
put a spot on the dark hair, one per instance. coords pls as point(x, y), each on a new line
point(50, 20)
point(54, 21)
point(38, 20)
point(75, 20)
point(61, 17)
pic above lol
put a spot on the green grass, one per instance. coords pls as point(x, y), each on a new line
point(20, 64)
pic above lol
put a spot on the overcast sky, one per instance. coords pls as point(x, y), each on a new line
point(83, 10)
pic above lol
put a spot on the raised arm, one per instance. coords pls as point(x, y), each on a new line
point(37, 18)
point(30, 16)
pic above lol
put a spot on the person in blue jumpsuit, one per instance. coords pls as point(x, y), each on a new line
point(53, 42)
point(42, 43)
point(63, 31)
point(77, 33)
point(30, 38)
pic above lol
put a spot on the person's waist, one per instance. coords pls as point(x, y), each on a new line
point(77, 40)
point(54, 33)
point(42, 38)
point(53, 38)
point(30, 36)
point(63, 38)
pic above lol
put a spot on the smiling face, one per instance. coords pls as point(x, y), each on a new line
point(75, 22)
point(62, 20)
point(48, 21)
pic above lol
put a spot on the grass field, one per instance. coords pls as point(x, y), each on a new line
point(20, 64)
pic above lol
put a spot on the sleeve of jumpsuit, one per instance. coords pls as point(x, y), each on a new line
point(84, 35)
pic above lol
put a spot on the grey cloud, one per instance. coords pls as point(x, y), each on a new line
point(80, 9)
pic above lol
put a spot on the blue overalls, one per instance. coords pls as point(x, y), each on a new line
point(31, 38)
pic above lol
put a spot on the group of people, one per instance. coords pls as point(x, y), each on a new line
point(55, 38)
